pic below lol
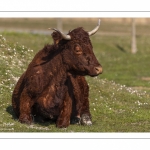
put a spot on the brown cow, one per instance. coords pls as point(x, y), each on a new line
point(54, 86)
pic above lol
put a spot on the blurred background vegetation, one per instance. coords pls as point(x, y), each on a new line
point(113, 39)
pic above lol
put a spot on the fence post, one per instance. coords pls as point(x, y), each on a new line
point(133, 41)
point(59, 24)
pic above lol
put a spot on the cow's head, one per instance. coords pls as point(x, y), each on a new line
point(78, 51)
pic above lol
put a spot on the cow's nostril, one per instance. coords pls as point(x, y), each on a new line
point(98, 70)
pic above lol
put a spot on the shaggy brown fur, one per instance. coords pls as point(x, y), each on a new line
point(54, 86)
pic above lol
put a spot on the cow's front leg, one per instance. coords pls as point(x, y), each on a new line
point(25, 108)
point(63, 120)
point(85, 111)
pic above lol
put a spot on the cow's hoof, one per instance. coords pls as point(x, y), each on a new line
point(75, 120)
point(86, 120)
point(26, 119)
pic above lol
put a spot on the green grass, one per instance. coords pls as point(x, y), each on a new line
point(118, 62)
point(116, 103)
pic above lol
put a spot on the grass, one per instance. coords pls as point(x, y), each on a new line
point(120, 65)
point(116, 103)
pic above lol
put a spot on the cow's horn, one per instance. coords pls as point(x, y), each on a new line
point(95, 29)
point(64, 36)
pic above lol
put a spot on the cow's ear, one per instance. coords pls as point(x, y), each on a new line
point(56, 37)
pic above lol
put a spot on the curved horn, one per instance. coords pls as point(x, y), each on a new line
point(95, 29)
point(64, 36)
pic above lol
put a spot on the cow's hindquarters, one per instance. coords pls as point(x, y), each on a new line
point(16, 95)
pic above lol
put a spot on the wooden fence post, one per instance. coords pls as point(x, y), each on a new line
point(59, 24)
point(133, 41)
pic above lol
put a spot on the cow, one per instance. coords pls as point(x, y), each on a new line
point(54, 87)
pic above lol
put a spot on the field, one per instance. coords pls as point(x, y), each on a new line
point(119, 98)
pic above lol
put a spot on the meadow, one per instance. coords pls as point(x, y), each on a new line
point(119, 98)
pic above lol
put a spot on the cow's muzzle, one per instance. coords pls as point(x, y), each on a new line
point(98, 70)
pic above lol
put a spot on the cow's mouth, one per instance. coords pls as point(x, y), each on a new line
point(94, 71)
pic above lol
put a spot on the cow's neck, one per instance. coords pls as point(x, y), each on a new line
point(58, 71)
point(57, 79)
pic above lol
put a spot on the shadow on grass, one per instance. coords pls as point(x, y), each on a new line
point(120, 48)
point(9, 109)
point(37, 120)
point(44, 122)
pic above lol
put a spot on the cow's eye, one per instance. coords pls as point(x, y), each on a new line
point(78, 50)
